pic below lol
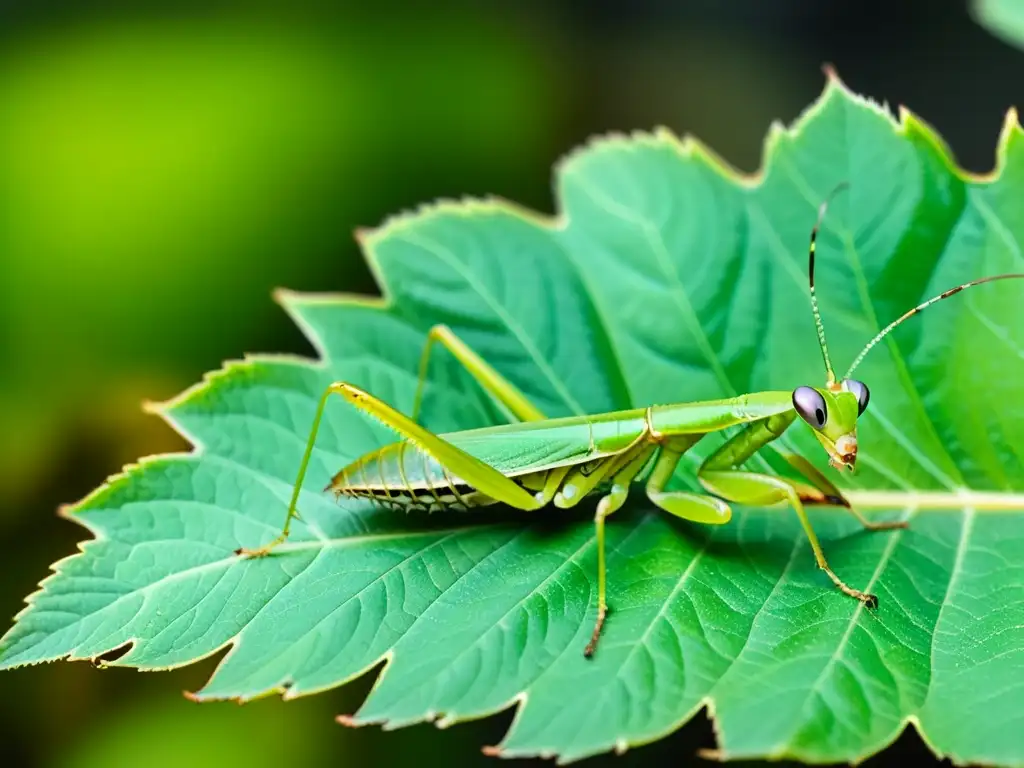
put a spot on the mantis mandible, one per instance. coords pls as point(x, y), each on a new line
point(538, 461)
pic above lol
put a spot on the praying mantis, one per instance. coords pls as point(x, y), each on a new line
point(539, 461)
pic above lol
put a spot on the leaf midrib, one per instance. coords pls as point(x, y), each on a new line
point(955, 501)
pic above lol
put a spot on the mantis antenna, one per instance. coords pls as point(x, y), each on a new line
point(810, 277)
point(921, 306)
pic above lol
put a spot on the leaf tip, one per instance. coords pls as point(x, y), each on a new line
point(834, 83)
point(153, 407)
point(349, 721)
point(198, 697)
point(282, 296)
point(67, 509)
point(111, 484)
point(835, 93)
point(189, 395)
point(1011, 128)
point(1011, 123)
point(914, 127)
point(490, 751)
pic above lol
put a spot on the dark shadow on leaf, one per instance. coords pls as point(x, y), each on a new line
point(112, 655)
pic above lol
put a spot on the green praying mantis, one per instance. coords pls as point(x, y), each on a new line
point(538, 461)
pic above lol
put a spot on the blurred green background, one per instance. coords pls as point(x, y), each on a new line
point(164, 166)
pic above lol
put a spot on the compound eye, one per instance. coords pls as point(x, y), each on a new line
point(860, 390)
point(809, 403)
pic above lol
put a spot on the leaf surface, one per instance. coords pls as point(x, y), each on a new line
point(667, 278)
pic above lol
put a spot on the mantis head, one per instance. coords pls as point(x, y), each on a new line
point(832, 411)
point(832, 414)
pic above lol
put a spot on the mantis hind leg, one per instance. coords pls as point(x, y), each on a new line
point(509, 398)
point(504, 392)
point(481, 476)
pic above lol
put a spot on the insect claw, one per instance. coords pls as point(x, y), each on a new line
point(252, 553)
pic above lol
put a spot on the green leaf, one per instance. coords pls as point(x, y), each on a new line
point(1003, 19)
point(667, 278)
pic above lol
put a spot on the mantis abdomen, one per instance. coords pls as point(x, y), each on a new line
point(402, 476)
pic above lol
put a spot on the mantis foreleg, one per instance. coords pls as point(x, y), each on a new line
point(481, 476)
point(720, 475)
point(501, 389)
point(832, 495)
point(756, 489)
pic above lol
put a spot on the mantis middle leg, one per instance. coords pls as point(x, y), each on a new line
point(622, 472)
